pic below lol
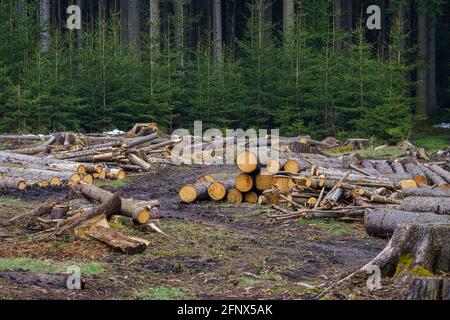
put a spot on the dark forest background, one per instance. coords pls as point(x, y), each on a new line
point(304, 66)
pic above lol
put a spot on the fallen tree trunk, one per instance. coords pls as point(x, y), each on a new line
point(383, 167)
point(435, 178)
point(12, 184)
point(415, 192)
point(426, 204)
point(37, 174)
point(398, 167)
point(45, 147)
point(33, 160)
point(382, 222)
point(218, 189)
point(417, 172)
point(193, 192)
point(441, 172)
point(144, 165)
point(137, 209)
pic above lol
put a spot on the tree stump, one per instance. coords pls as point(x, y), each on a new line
point(429, 288)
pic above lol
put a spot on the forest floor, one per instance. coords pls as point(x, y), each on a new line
point(214, 251)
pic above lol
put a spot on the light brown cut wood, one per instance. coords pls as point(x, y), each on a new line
point(247, 161)
point(251, 197)
point(263, 181)
point(234, 196)
point(218, 189)
point(193, 192)
point(118, 241)
point(244, 182)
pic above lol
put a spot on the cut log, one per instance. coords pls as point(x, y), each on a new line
point(234, 196)
point(417, 172)
point(117, 240)
point(383, 167)
point(382, 222)
point(144, 165)
point(106, 209)
point(281, 183)
point(218, 190)
point(28, 173)
point(137, 209)
point(426, 204)
point(251, 197)
point(44, 147)
point(244, 182)
point(332, 198)
point(398, 167)
point(193, 192)
point(68, 167)
point(384, 200)
point(263, 181)
point(248, 161)
point(116, 174)
point(13, 184)
point(205, 179)
point(439, 193)
point(441, 172)
point(436, 179)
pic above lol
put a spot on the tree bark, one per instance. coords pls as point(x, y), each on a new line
point(431, 64)
point(179, 28)
point(124, 21)
point(415, 192)
point(137, 209)
point(193, 192)
point(117, 240)
point(217, 30)
point(288, 19)
point(44, 17)
point(426, 204)
point(429, 288)
point(154, 25)
point(134, 25)
point(383, 222)
point(422, 56)
point(441, 172)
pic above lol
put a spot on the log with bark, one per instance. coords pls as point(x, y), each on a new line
point(218, 190)
point(428, 192)
point(427, 204)
point(436, 179)
point(194, 192)
point(417, 172)
point(441, 172)
point(139, 210)
point(382, 222)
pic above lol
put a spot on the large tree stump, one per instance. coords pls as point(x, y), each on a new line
point(429, 288)
point(419, 249)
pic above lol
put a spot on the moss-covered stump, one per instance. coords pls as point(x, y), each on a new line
point(418, 249)
point(426, 288)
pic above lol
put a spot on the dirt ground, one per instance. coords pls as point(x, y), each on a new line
point(214, 251)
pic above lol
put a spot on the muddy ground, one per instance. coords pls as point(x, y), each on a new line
point(214, 251)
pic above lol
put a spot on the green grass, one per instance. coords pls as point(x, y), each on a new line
point(14, 202)
point(330, 226)
point(48, 266)
point(433, 143)
point(112, 183)
point(162, 293)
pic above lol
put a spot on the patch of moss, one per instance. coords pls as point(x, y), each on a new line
point(162, 293)
point(404, 266)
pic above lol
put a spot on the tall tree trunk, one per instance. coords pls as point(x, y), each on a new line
point(44, 17)
point(217, 33)
point(288, 18)
point(79, 32)
point(338, 25)
point(134, 25)
point(422, 55)
point(102, 10)
point(154, 25)
point(348, 19)
point(124, 21)
point(179, 28)
point(431, 75)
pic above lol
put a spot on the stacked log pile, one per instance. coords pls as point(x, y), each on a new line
point(90, 214)
point(67, 158)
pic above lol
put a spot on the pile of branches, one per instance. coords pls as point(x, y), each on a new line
point(67, 158)
point(90, 213)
